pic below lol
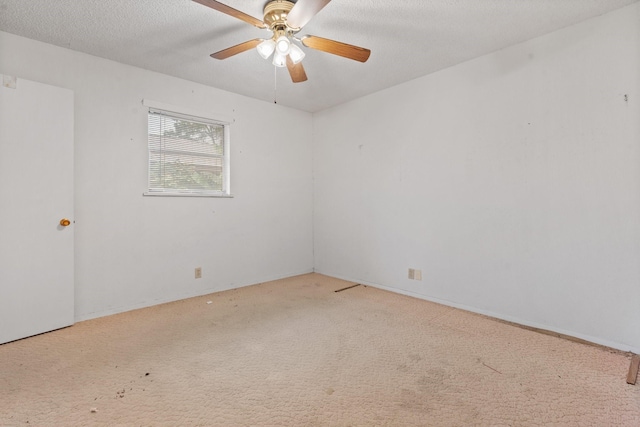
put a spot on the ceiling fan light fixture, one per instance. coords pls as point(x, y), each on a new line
point(266, 48)
point(284, 19)
point(296, 54)
point(279, 60)
point(283, 45)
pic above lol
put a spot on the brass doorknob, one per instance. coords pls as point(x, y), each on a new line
point(65, 222)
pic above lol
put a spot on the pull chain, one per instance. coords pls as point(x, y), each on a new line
point(275, 84)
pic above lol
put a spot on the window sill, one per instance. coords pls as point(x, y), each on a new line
point(161, 194)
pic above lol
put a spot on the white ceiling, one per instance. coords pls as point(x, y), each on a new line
point(408, 39)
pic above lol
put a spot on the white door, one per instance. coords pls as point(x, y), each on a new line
point(36, 193)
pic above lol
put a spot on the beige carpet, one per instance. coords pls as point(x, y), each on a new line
point(293, 352)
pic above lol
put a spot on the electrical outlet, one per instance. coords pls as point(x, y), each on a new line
point(412, 274)
point(417, 274)
point(198, 272)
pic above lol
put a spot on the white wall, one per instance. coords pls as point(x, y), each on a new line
point(512, 181)
point(134, 251)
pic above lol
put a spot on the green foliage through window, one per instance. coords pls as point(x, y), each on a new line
point(185, 154)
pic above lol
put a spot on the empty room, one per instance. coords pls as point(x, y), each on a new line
point(319, 213)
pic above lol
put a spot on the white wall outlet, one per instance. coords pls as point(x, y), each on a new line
point(412, 274)
point(198, 272)
point(9, 81)
point(417, 274)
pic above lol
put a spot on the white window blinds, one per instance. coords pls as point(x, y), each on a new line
point(187, 155)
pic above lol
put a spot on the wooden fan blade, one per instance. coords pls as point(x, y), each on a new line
point(303, 11)
point(232, 12)
point(342, 49)
point(296, 71)
point(234, 50)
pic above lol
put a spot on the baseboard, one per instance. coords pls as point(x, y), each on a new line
point(537, 327)
point(185, 295)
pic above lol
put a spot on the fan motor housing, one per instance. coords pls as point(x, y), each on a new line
point(275, 15)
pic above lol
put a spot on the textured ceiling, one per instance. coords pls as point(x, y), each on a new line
point(408, 39)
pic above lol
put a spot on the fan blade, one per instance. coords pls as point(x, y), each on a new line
point(342, 49)
point(296, 71)
point(234, 50)
point(232, 12)
point(303, 11)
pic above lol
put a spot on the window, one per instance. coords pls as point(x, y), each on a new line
point(188, 155)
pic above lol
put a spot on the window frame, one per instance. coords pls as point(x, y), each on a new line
point(200, 117)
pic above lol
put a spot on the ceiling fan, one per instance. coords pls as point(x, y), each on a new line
point(285, 19)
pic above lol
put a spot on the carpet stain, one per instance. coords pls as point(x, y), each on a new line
point(403, 368)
